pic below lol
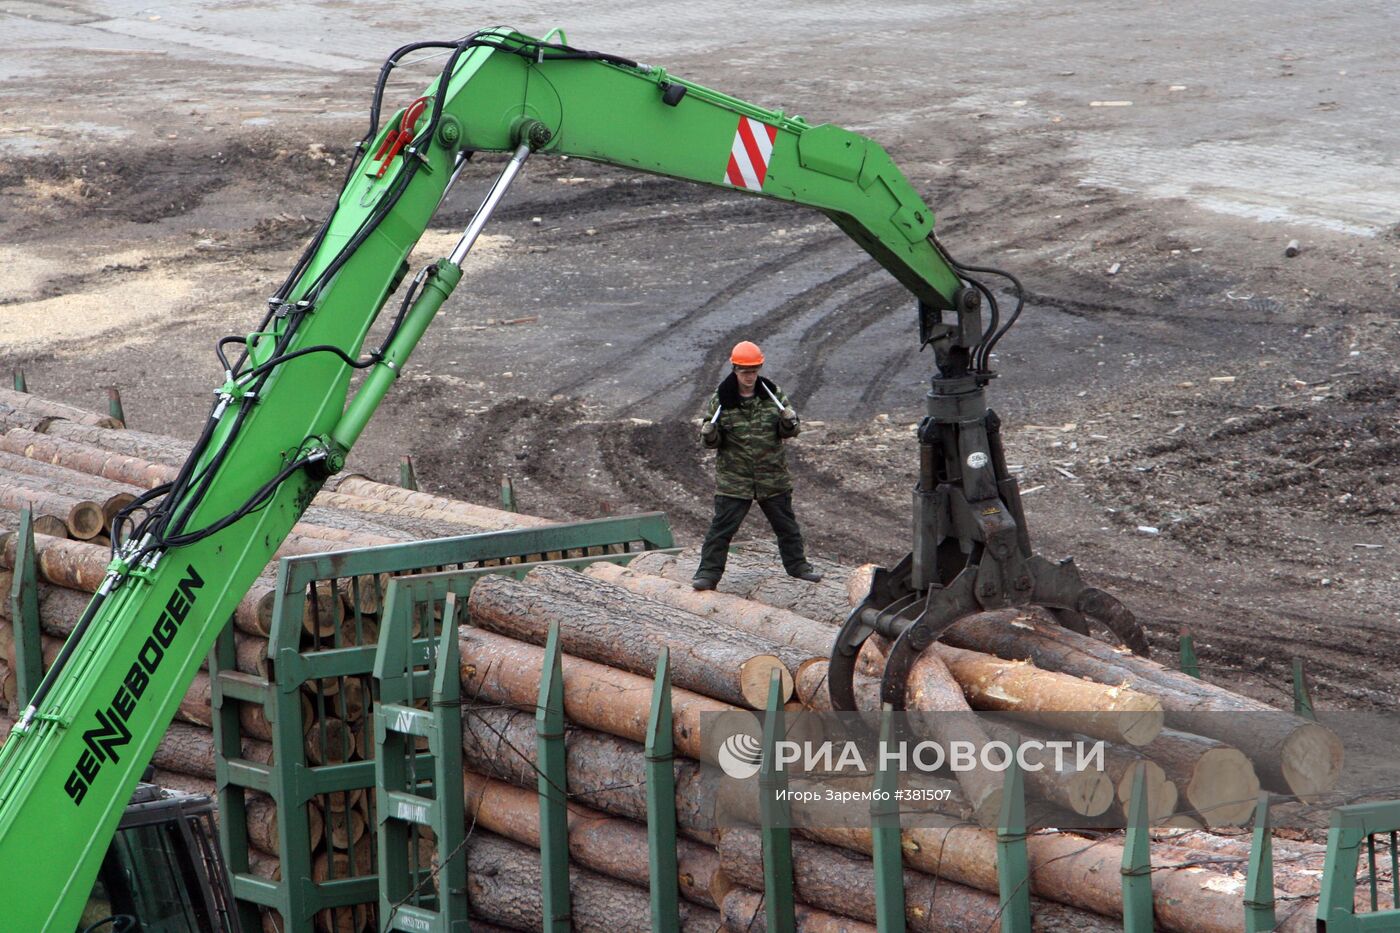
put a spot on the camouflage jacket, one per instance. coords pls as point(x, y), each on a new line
point(751, 462)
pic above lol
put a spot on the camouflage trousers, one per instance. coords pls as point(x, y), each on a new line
point(729, 515)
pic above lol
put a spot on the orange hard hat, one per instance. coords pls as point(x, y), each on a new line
point(746, 353)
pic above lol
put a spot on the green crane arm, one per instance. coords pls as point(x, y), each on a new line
point(285, 417)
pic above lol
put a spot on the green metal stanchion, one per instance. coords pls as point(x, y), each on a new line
point(20, 384)
point(1013, 864)
point(884, 828)
point(1189, 664)
point(407, 478)
point(1302, 696)
point(114, 404)
point(661, 803)
point(1137, 860)
point(508, 495)
point(1259, 884)
point(775, 818)
point(554, 815)
point(24, 611)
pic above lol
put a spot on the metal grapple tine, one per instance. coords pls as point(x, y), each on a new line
point(1119, 620)
point(850, 638)
point(1059, 588)
point(944, 607)
point(841, 670)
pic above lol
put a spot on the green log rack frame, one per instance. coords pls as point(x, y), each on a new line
point(553, 789)
point(1187, 644)
point(1013, 862)
point(420, 895)
point(1354, 829)
point(660, 751)
point(318, 765)
point(775, 819)
point(1137, 860)
point(1259, 882)
point(886, 843)
point(24, 610)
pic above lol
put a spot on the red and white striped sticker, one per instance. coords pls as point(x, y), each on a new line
point(748, 156)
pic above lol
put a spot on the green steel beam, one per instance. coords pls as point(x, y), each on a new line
point(24, 612)
point(407, 478)
point(1137, 860)
point(20, 384)
point(554, 815)
point(1013, 862)
point(1259, 882)
point(775, 819)
point(887, 846)
point(659, 749)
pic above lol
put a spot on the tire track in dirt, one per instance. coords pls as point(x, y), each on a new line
point(764, 327)
point(833, 330)
point(716, 301)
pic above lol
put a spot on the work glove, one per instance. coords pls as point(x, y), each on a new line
point(709, 434)
point(787, 423)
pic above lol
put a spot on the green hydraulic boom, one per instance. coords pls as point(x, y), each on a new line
point(286, 415)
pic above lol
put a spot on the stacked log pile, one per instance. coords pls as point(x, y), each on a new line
point(74, 470)
point(725, 647)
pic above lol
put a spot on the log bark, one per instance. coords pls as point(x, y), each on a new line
point(781, 626)
point(756, 579)
point(504, 884)
point(1056, 779)
point(82, 517)
point(610, 846)
point(35, 405)
point(355, 484)
point(743, 912)
point(154, 447)
point(843, 882)
point(729, 666)
point(1116, 714)
point(1290, 754)
point(87, 459)
point(362, 504)
point(932, 689)
point(76, 565)
point(189, 749)
point(501, 670)
point(19, 466)
point(604, 772)
point(1216, 780)
point(1065, 868)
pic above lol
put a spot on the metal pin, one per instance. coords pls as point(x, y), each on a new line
point(773, 397)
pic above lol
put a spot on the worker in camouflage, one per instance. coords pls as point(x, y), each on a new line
point(747, 421)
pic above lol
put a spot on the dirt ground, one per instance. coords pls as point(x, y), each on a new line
point(1208, 426)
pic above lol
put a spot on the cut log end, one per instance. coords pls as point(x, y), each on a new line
point(1312, 760)
point(1090, 793)
point(1139, 727)
point(1224, 787)
point(85, 520)
point(755, 676)
point(1161, 793)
